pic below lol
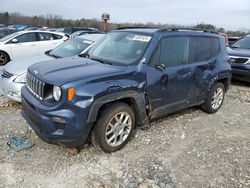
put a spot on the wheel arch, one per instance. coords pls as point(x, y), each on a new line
point(226, 82)
point(132, 98)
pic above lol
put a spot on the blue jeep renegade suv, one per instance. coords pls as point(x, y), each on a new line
point(128, 78)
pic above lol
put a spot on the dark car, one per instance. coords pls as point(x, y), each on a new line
point(70, 30)
point(232, 40)
point(239, 53)
point(5, 31)
point(127, 79)
point(85, 31)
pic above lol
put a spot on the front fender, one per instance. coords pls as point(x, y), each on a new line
point(137, 97)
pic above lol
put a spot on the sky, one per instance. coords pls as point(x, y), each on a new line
point(229, 14)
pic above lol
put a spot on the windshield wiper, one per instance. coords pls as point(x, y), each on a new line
point(53, 55)
point(101, 61)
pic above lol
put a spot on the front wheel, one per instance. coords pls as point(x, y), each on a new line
point(4, 58)
point(114, 127)
point(214, 99)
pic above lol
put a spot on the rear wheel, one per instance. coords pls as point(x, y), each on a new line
point(114, 127)
point(4, 58)
point(215, 98)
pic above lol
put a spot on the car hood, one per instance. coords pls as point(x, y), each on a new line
point(65, 70)
point(21, 66)
point(238, 52)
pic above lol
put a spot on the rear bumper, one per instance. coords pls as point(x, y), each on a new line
point(65, 126)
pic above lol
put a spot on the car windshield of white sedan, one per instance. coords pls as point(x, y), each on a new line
point(120, 48)
point(8, 37)
point(242, 43)
point(70, 48)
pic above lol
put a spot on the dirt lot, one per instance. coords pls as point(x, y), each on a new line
point(187, 149)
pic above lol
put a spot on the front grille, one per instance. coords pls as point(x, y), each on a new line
point(35, 86)
point(6, 74)
point(239, 60)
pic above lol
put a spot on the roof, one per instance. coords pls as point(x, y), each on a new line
point(92, 37)
point(31, 31)
point(159, 30)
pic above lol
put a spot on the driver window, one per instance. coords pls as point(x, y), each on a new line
point(28, 37)
point(174, 51)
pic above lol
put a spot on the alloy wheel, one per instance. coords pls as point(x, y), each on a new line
point(217, 98)
point(118, 129)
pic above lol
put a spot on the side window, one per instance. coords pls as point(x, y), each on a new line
point(45, 36)
point(203, 48)
point(57, 37)
point(174, 51)
point(216, 46)
point(28, 37)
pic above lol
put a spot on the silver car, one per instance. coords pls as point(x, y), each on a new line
point(13, 75)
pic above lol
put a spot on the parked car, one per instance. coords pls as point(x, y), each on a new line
point(13, 75)
point(70, 30)
point(239, 53)
point(232, 40)
point(5, 31)
point(84, 32)
point(27, 43)
point(225, 37)
point(128, 78)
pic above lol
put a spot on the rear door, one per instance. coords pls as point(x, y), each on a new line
point(26, 45)
point(169, 76)
point(48, 41)
point(202, 58)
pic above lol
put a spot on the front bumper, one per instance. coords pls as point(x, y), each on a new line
point(11, 89)
point(63, 124)
point(241, 73)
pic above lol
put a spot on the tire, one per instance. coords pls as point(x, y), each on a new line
point(4, 58)
point(114, 128)
point(214, 99)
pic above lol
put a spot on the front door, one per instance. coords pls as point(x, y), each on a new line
point(26, 45)
point(169, 76)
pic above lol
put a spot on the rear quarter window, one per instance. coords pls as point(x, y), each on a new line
point(203, 48)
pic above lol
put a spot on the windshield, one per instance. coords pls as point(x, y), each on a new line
point(242, 43)
point(120, 48)
point(71, 48)
point(8, 37)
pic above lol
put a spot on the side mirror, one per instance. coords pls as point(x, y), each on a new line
point(160, 67)
point(14, 40)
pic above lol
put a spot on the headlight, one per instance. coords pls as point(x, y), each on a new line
point(21, 78)
point(57, 93)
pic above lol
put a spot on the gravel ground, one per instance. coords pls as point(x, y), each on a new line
point(187, 149)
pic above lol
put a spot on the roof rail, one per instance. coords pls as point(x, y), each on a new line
point(137, 27)
point(188, 29)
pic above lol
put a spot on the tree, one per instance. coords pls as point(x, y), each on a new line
point(205, 26)
point(6, 18)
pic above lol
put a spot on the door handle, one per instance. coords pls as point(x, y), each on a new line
point(164, 81)
point(184, 72)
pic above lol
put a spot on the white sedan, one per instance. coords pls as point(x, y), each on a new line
point(28, 43)
point(13, 75)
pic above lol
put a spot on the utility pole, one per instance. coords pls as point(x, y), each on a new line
point(105, 18)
